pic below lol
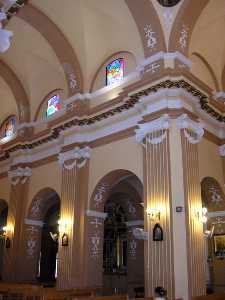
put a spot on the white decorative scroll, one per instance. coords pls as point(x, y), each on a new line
point(78, 156)
point(222, 150)
point(140, 234)
point(33, 222)
point(161, 124)
point(133, 248)
point(31, 243)
point(19, 175)
point(150, 36)
point(97, 214)
point(188, 125)
point(71, 76)
point(101, 190)
point(95, 245)
point(183, 39)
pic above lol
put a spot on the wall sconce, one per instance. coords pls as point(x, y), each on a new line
point(202, 215)
point(6, 230)
point(154, 214)
point(64, 226)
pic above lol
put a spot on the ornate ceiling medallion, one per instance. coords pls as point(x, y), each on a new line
point(168, 3)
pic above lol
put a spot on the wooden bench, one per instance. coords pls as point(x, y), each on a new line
point(216, 296)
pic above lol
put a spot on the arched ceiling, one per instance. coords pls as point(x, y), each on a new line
point(208, 37)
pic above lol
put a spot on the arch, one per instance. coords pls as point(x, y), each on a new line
point(207, 65)
point(184, 24)
point(41, 202)
point(104, 62)
point(146, 15)
point(105, 185)
point(59, 44)
point(49, 95)
point(212, 194)
point(18, 91)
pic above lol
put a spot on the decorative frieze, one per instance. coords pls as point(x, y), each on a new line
point(78, 156)
point(19, 175)
point(193, 131)
point(159, 126)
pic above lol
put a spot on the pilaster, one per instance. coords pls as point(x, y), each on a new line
point(19, 178)
point(75, 169)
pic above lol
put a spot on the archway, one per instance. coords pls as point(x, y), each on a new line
point(42, 236)
point(3, 222)
point(213, 199)
point(115, 255)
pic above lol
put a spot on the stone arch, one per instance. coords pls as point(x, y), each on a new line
point(108, 186)
point(210, 69)
point(32, 231)
point(18, 91)
point(146, 18)
point(184, 24)
point(104, 187)
point(59, 43)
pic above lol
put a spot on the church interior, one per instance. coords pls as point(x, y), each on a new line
point(112, 149)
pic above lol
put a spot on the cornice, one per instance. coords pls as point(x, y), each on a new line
point(166, 94)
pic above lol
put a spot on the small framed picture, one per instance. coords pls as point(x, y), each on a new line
point(65, 240)
point(219, 244)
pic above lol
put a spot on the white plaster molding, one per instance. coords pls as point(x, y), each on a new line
point(135, 223)
point(97, 214)
point(160, 124)
point(184, 122)
point(33, 222)
point(219, 95)
point(214, 214)
point(19, 175)
point(75, 154)
point(140, 234)
point(222, 150)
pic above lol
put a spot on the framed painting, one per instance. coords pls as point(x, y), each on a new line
point(219, 244)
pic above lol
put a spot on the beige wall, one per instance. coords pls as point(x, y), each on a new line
point(210, 162)
point(125, 154)
point(48, 175)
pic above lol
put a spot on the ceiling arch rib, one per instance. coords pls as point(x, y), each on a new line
point(59, 44)
point(184, 25)
point(18, 91)
point(149, 26)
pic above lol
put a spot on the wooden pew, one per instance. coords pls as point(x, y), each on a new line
point(114, 297)
point(216, 296)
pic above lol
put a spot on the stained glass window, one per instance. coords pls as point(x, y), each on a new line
point(54, 105)
point(115, 71)
point(8, 129)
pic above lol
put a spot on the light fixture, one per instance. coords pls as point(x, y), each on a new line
point(5, 232)
point(154, 214)
point(64, 227)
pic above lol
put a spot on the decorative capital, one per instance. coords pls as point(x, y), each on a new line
point(96, 214)
point(19, 175)
point(222, 150)
point(160, 124)
point(190, 126)
point(219, 96)
point(78, 155)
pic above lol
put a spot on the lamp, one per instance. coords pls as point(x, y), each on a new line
point(153, 213)
point(63, 230)
point(4, 233)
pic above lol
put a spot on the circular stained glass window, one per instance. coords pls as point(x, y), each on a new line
point(168, 3)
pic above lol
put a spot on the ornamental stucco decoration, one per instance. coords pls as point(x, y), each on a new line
point(19, 175)
point(188, 125)
point(222, 150)
point(160, 124)
point(78, 156)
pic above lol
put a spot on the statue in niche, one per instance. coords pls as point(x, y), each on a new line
point(157, 233)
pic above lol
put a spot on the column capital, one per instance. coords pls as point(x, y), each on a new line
point(33, 222)
point(222, 150)
point(186, 123)
point(97, 214)
point(19, 175)
point(78, 154)
point(160, 124)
